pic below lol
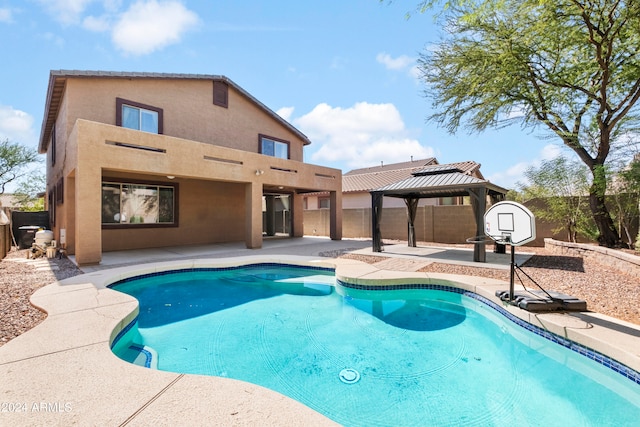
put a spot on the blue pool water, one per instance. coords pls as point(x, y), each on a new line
point(410, 357)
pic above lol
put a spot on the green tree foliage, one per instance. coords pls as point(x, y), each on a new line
point(28, 196)
point(562, 186)
point(14, 162)
point(626, 196)
point(569, 67)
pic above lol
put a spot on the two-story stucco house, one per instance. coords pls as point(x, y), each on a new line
point(142, 160)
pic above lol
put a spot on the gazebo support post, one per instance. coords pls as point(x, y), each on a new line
point(412, 207)
point(498, 248)
point(376, 213)
point(479, 204)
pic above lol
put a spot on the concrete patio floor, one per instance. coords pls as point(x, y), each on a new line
point(62, 372)
point(308, 246)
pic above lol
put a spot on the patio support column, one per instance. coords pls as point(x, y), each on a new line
point(88, 215)
point(253, 215)
point(297, 215)
point(376, 213)
point(412, 207)
point(479, 204)
point(335, 215)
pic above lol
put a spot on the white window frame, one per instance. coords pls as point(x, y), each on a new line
point(280, 147)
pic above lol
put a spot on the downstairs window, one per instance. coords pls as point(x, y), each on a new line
point(137, 204)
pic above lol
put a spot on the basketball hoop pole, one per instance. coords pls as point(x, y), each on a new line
point(513, 271)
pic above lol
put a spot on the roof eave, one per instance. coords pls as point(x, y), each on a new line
point(49, 116)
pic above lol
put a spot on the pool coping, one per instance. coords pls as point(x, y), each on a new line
point(63, 372)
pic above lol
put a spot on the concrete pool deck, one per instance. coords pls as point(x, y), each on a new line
point(62, 372)
point(308, 246)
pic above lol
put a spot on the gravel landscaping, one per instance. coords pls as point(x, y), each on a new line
point(606, 290)
point(19, 278)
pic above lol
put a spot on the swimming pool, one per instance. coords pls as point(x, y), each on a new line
point(402, 355)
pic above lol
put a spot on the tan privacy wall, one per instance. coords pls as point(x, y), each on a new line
point(445, 224)
point(441, 224)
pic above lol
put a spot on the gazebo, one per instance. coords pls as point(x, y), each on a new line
point(430, 182)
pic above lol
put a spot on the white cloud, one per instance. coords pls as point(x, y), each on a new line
point(360, 136)
point(515, 174)
point(96, 24)
point(17, 126)
point(550, 152)
point(111, 6)
point(151, 25)
point(5, 14)
point(285, 113)
point(415, 72)
point(66, 11)
point(54, 39)
point(146, 26)
point(402, 62)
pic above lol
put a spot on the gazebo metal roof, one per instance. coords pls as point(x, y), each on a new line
point(437, 181)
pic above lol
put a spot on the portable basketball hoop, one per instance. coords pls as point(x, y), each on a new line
point(510, 223)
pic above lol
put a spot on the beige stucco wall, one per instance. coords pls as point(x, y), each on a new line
point(188, 111)
point(200, 216)
point(212, 151)
point(212, 179)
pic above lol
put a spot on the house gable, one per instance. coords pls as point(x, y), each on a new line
point(204, 108)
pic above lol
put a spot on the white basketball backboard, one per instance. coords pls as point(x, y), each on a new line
point(510, 222)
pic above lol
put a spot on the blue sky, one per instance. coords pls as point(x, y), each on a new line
point(341, 71)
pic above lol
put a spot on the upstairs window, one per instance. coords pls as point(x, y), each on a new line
point(133, 115)
point(140, 119)
point(274, 147)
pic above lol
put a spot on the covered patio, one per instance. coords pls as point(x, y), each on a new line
point(433, 182)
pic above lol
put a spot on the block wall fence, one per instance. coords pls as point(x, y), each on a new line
point(440, 224)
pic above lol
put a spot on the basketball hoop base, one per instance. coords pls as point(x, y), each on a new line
point(486, 240)
point(539, 301)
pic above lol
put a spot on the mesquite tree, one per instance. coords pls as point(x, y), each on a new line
point(562, 186)
point(14, 159)
point(570, 67)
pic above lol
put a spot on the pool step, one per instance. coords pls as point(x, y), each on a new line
point(141, 355)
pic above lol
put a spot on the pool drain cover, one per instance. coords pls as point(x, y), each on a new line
point(349, 376)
